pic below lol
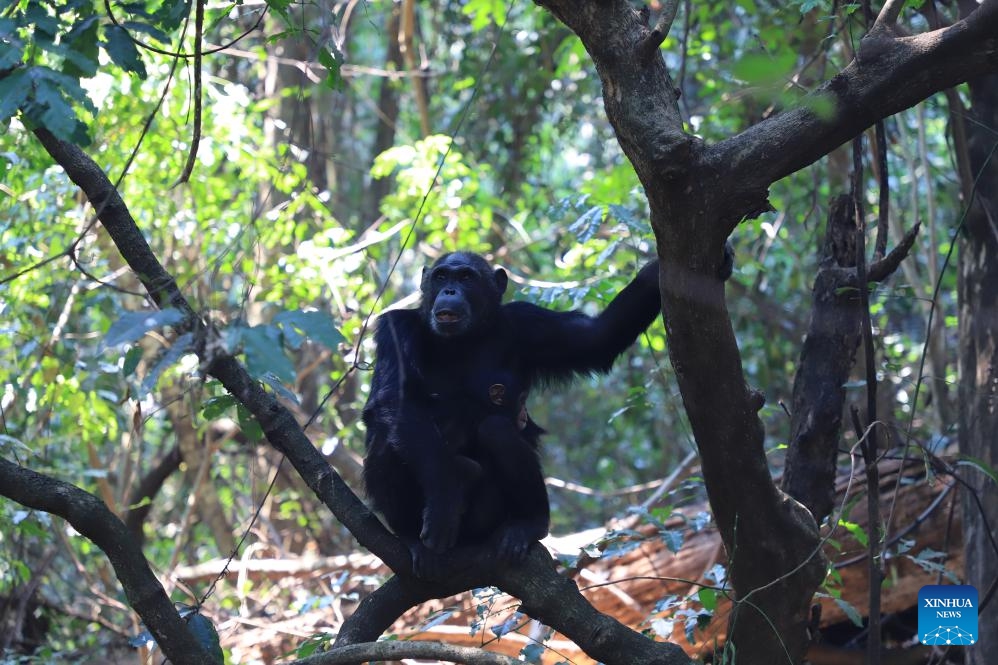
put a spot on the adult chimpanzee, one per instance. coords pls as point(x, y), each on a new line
point(452, 455)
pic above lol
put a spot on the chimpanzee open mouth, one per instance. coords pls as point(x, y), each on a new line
point(447, 316)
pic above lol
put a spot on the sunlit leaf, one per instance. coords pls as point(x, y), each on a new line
point(133, 325)
point(316, 324)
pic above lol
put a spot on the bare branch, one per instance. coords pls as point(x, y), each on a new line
point(889, 14)
point(885, 267)
point(384, 651)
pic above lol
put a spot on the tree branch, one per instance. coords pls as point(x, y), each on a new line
point(648, 46)
point(889, 75)
point(392, 651)
point(279, 424)
point(889, 14)
point(92, 518)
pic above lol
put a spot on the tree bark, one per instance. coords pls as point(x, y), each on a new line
point(387, 116)
point(978, 300)
point(825, 362)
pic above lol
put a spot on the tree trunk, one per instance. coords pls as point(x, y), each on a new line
point(388, 114)
point(978, 293)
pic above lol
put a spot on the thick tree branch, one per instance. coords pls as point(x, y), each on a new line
point(546, 595)
point(92, 518)
point(889, 75)
point(827, 357)
point(889, 14)
point(648, 46)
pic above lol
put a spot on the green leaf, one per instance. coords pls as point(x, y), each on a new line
point(275, 384)
point(132, 358)
point(39, 19)
point(81, 49)
point(807, 5)
point(281, 7)
point(317, 325)
point(13, 52)
point(673, 539)
point(14, 90)
point(51, 105)
point(485, 12)
point(206, 635)
point(248, 424)
point(588, 224)
point(764, 68)
point(121, 49)
point(981, 466)
point(332, 60)
point(53, 112)
point(264, 353)
point(133, 325)
point(850, 612)
point(213, 407)
point(857, 532)
point(708, 598)
point(180, 347)
point(932, 562)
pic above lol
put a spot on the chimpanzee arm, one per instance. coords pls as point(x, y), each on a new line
point(559, 344)
point(400, 421)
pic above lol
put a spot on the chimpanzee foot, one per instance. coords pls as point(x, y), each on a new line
point(426, 564)
point(441, 525)
point(514, 541)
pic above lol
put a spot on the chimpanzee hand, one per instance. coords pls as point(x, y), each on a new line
point(441, 524)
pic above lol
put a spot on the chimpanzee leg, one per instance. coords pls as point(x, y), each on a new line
point(396, 494)
point(517, 471)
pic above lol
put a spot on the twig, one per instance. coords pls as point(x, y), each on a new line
point(889, 14)
point(868, 445)
point(648, 46)
point(192, 155)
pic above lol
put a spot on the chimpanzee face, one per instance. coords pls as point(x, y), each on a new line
point(461, 294)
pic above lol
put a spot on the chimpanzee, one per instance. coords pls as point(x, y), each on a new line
point(452, 454)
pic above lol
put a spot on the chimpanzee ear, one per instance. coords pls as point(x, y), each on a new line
point(501, 280)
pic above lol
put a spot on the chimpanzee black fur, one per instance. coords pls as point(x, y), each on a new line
point(452, 456)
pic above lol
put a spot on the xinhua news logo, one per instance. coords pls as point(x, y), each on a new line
point(947, 614)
